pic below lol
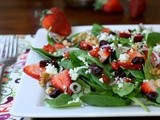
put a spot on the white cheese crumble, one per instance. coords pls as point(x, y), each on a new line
point(73, 72)
point(76, 100)
point(83, 60)
point(157, 49)
point(101, 80)
point(123, 57)
point(50, 69)
point(103, 36)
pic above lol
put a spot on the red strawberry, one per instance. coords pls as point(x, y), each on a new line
point(137, 8)
point(129, 63)
point(62, 81)
point(124, 35)
point(85, 45)
point(148, 87)
point(49, 48)
point(34, 70)
point(113, 6)
point(57, 21)
point(109, 6)
point(115, 65)
point(94, 52)
point(104, 53)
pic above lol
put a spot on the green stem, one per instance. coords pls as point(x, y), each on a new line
point(140, 103)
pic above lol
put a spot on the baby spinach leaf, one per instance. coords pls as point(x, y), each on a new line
point(126, 88)
point(158, 98)
point(137, 73)
point(153, 39)
point(63, 100)
point(103, 100)
point(66, 63)
point(140, 103)
point(43, 53)
point(96, 29)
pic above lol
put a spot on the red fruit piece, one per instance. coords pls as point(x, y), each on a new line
point(49, 48)
point(137, 8)
point(104, 53)
point(128, 64)
point(124, 35)
point(94, 52)
point(62, 81)
point(113, 6)
point(34, 70)
point(85, 45)
point(115, 65)
point(138, 38)
point(56, 20)
point(148, 87)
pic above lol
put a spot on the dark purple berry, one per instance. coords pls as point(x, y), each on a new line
point(136, 60)
point(55, 93)
point(152, 95)
point(103, 42)
point(119, 73)
point(96, 70)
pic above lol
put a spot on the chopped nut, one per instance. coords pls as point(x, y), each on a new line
point(44, 79)
point(155, 71)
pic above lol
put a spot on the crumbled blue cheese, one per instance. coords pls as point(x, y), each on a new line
point(76, 100)
point(50, 69)
point(157, 49)
point(123, 57)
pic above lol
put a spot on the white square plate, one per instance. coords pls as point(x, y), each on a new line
point(30, 96)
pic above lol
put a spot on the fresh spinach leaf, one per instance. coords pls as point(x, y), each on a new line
point(158, 98)
point(123, 90)
point(104, 100)
point(63, 100)
point(153, 39)
point(137, 73)
point(96, 29)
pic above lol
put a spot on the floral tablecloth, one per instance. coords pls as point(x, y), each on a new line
point(12, 77)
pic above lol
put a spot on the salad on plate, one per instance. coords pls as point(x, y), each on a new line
point(100, 67)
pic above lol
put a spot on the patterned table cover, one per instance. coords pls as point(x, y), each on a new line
point(11, 79)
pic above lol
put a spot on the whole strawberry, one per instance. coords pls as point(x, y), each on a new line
point(109, 6)
point(137, 8)
point(55, 20)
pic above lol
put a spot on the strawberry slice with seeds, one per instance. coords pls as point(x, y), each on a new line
point(34, 70)
point(148, 87)
point(62, 81)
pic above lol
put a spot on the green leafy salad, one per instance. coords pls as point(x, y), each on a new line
point(100, 67)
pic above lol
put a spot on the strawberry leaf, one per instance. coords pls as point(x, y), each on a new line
point(98, 4)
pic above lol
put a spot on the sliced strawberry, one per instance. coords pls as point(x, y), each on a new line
point(49, 48)
point(58, 46)
point(34, 70)
point(62, 81)
point(135, 61)
point(94, 52)
point(85, 45)
point(115, 65)
point(148, 87)
point(104, 53)
point(105, 79)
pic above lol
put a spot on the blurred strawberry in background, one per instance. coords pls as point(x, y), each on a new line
point(55, 20)
point(137, 8)
point(109, 6)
